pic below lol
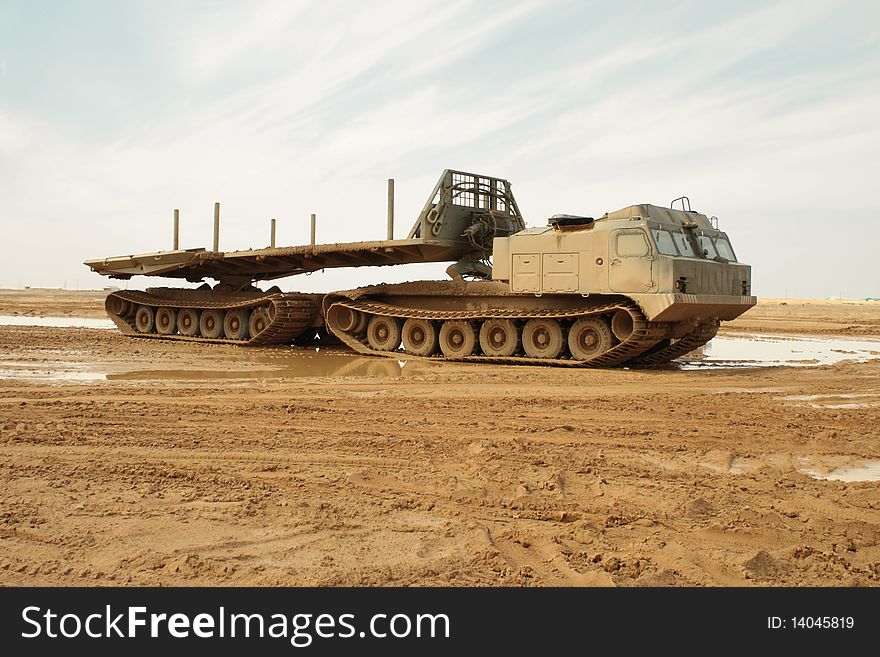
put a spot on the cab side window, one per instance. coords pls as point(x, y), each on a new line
point(633, 244)
point(664, 241)
point(684, 246)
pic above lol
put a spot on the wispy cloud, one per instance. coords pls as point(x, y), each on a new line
point(282, 109)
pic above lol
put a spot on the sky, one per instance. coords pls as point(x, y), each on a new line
point(112, 114)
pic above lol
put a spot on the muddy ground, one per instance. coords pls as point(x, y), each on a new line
point(339, 471)
point(806, 316)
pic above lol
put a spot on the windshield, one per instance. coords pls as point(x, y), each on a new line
point(676, 243)
point(706, 245)
point(672, 242)
point(724, 249)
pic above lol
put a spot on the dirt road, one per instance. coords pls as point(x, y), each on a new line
point(336, 471)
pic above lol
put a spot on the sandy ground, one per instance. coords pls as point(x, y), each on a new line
point(810, 316)
point(52, 302)
point(433, 474)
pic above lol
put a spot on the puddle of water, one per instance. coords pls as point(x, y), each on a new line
point(865, 405)
point(56, 322)
point(825, 468)
point(845, 395)
point(293, 363)
point(49, 371)
point(830, 400)
point(775, 351)
point(862, 471)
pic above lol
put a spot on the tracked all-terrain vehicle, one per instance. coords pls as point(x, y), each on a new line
point(639, 286)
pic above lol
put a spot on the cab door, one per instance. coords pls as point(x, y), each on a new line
point(630, 261)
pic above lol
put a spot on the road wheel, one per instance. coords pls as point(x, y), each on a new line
point(117, 306)
point(589, 337)
point(166, 320)
point(622, 325)
point(499, 337)
point(543, 338)
point(211, 323)
point(145, 319)
point(188, 322)
point(258, 322)
point(347, 320)
point(235, 324)
point(360, 326)
point(458, 338)
point(419, 337)
point(383, 333)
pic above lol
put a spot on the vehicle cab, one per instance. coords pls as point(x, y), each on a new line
point(660, 257)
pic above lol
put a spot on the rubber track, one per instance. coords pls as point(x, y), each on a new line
point(701, 334)
point(644, 336)
point(293, 315)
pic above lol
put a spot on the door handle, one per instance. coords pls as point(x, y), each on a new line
point(615, 261)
